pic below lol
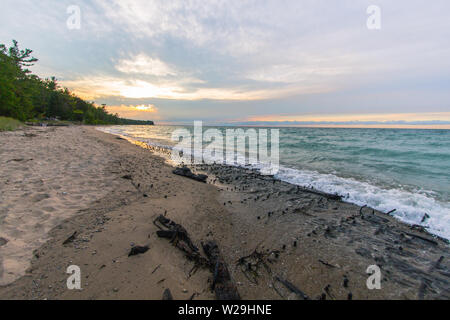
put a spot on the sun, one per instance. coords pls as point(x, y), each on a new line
point(143, 107)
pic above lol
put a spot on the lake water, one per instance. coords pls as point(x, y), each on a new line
point(403, 169)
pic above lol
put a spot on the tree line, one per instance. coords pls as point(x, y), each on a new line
point(25, 96)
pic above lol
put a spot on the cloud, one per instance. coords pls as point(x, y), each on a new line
point(143, 64)
point(93, 88)
point(290, 73)
point(139, 112)
point(147, 108)
point(259, 57)
point(199, 22)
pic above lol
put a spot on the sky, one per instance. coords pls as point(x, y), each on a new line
point(299, 61)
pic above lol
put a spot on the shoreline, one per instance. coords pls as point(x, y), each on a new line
point(399, 209)
point(312, 241)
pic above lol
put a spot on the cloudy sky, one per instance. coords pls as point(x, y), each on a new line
point(238, 61)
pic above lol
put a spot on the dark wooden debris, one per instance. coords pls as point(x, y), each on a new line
point(223, 285)
point(327, 289)
point(154, 270)
point(422, 238)
point(327, 264)
point(251, 265)
point(167, 295)
point(186, 172)
point(425, 218)
point(138, 250)
point(322, 296)
point(179, 237)
point(345, 282)
point(329, 196)
point(3, 241)
point(19, 160)
point(193, 296)
point(360, 209)
point(392, 211)
point(419, 228)
point(291, 287)
point(71, 238)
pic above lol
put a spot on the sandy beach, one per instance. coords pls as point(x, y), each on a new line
point(107, 192)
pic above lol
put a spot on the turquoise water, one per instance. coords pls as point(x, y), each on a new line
point(403, 169)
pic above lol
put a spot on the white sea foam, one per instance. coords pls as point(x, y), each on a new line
point(410, 207)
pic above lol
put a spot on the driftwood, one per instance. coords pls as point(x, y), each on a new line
point(186, 172)
point(327, 264)
point(251, 264)
point(425, 218)
point(3, 241)
point(361, 209)
point(154, 270)
point(167, 295)
point(138, 250)
point(179, 237)
point(193, 296)
point(292, 288)
point(323, 194)
point(71, 238)
point(223, 285)
point(422, 238)
point(392, 211)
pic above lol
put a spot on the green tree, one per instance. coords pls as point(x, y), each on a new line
point(24, 95)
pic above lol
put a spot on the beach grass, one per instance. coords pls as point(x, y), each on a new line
point(9, 124)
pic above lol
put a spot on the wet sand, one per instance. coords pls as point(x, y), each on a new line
point(109, 191)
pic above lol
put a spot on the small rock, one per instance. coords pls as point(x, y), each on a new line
point(3, 241)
